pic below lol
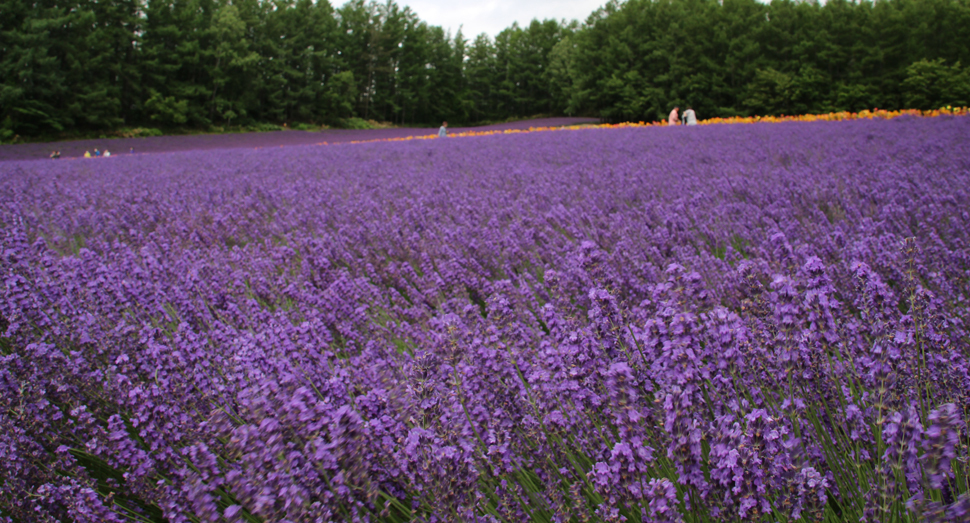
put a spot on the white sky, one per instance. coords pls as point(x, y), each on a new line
point(492, 16)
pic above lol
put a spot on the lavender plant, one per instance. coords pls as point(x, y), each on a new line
point(728, 323)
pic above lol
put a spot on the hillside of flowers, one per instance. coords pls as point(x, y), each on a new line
point(762, 322)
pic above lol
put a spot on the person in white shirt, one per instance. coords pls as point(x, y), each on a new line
point(443, 131)
point(690, 116)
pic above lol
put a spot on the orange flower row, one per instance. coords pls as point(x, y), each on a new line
point(827, 117)
point(844, 115)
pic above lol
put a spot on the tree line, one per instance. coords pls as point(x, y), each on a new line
point(86, 65)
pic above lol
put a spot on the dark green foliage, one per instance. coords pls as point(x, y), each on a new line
point(521, 60)
point(636, 60)
point(87, 66)
point(30, 66)
point(931, 84)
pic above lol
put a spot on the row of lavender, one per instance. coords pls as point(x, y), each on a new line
point(156, 144)
point(761, 322)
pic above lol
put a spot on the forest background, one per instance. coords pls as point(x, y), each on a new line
point(75, 67)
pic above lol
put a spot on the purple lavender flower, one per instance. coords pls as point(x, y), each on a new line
point(567, 326)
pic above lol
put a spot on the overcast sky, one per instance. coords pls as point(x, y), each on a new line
point(491, 16)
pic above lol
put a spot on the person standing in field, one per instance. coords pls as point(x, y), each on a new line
point(674, 117)
point(690, 116)
point(443, 131)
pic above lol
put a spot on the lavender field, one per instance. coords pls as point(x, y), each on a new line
point(723, 323)
point(156, 144)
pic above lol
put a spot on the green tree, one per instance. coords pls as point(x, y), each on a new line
point(30, 68)
point(68, 65)
point(931, 84)
point(166, 110)
point(412, 95)
point(444, 77)
point(636, 59)
point(103, 69)
point(358, 24)
point(233, 63)
point(179, 56)
point(522, 60)
point(770, 93)
point(480, 70)
point(560, 73)
point(86, 65)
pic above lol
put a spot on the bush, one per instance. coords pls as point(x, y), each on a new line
point(138, 132)
point(355, 123)
point(380, 125)
point(264, 127)
point(306, 127)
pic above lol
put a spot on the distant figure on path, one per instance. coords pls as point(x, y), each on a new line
point(674, 117)
point(87, 154)
point(443, 131)
point(97, 152)
point(107, 153)
point(55, 155)
point(690, 116)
